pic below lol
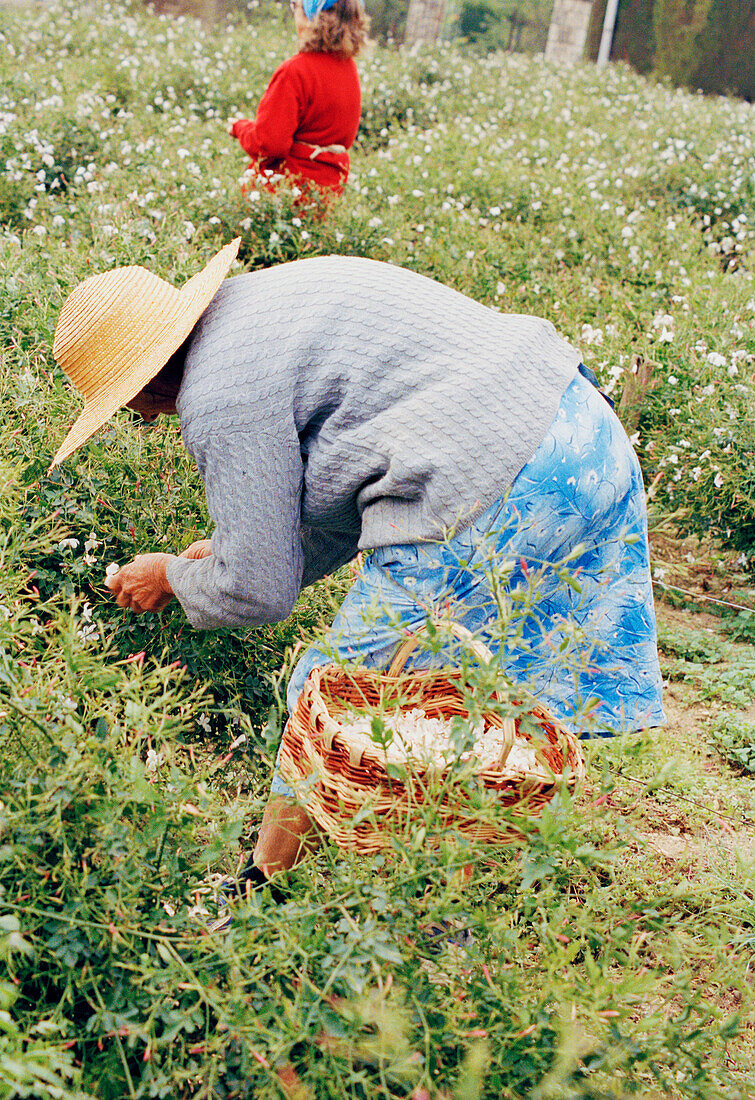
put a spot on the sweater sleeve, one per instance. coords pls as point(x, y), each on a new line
point(254, 574)
point(271, 134)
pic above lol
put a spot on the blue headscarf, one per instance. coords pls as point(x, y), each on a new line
point(314, 7)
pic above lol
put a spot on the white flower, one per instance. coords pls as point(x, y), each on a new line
point(153, 763)
point(112, 569)
point(68, 544)
point(716, 359)
point(591, 335)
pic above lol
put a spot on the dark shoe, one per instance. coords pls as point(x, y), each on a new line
point(442, 932)
point(257, 880)
point(250, 878)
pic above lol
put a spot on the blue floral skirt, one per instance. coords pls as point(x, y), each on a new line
point(554, 578)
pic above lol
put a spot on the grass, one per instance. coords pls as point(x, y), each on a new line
point(612, 947)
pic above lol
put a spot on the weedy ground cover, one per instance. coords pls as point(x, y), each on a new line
point(613, 945)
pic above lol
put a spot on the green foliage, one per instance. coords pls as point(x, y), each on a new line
point(677, 30)
point(105, 522)
point(690, 645)
point(387, 20)
point(741, 626)
point(99, 870)
point(504, 24)
point(480, 19)
point(597, 200)
point(735, 740)
point(727, 57)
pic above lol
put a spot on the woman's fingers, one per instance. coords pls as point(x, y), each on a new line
point(142, 584)
point(202, 548)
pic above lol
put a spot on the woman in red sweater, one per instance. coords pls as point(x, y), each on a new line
point(309, 116)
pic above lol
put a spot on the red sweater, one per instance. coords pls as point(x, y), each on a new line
point(313, 98)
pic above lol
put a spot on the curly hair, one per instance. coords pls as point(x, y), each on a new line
point(342, 30)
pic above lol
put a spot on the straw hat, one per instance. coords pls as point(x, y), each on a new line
point(117, 330)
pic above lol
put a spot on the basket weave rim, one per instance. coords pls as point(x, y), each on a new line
point(372, 753)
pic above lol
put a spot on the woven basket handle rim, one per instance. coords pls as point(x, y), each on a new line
point(461, 632)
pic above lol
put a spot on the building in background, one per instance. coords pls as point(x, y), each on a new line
point(424, 21)
point(567, 33)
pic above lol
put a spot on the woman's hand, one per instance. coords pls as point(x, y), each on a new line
point(142, 584)
point(202, 548)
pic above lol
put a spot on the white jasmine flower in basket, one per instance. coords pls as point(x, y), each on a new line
point(413, 736)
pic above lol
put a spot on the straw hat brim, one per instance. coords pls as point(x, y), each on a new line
point(149, 350)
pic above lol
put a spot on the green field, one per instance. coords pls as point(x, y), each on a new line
point(613, 943)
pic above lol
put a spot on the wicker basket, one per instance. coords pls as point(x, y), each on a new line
point(360, 802)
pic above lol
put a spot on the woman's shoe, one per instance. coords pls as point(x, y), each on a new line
point(251, 877)
point(441, 932)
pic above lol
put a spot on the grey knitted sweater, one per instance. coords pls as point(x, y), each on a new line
point(338, 403)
